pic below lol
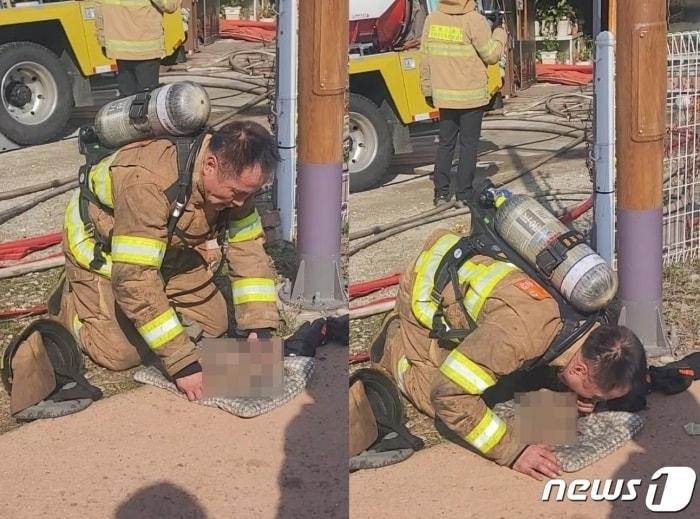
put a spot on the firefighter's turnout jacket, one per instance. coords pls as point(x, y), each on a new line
point(516, 321)
point(456, 46)
point(132, 185)
point(132, 29)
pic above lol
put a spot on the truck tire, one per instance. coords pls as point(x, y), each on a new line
point(36, 93)
point(370, 144)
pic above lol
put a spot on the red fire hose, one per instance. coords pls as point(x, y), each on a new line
point(364, 288)
point(18, 249)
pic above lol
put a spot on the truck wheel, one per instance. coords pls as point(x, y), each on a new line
point(370, 144)
point(36, 93)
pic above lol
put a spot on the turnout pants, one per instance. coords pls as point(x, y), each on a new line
point(89, 310)
point(465, 124)
point(136, 76)
point(413, 380)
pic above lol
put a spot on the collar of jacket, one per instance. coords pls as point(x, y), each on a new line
point(198, 193)
point(563, 360)
point(457, 6)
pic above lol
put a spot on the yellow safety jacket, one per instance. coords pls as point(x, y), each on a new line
point(132, 29)
point(132, 218)
point(457, 45)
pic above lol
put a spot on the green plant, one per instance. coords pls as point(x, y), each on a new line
point(550, 44)
point(230, 3)
point(562, 57)
point(562, 10)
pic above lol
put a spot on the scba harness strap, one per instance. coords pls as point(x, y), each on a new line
point(485, 241)
point(178, 194)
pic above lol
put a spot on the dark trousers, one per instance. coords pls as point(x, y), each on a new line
point(137, 75)
point(467, 125)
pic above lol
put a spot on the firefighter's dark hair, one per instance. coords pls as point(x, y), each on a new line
point(616, 357)
point(243, 144)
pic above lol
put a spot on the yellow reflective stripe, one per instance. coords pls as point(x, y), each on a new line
point(80, 244)
point(138, 251)
point(77, 325)
point(245, 229)
point(481, 285)
point(254, 290)
point(466, 374)
point(446, 32)
point(423, 305)
point(401, 369)
point(487, 433)
point(449, 49)
point(101, 181)
point(134, 46)
point(467, 271)
point(487, 49)
point(447, 94)
point(162, 329)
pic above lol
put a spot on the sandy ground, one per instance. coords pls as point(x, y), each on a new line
point(147, 454)
point(447, 481)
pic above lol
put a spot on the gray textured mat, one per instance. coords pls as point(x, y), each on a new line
point(599, 434)
point(297, 371)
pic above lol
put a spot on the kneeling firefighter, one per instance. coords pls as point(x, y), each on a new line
point(157, 184)
point(521, 291)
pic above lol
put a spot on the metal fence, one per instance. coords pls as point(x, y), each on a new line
point(681, 181)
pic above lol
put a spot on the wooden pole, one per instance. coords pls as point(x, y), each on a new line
point(641, 124)
point(323, 73)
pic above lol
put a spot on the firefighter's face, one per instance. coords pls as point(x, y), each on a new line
point(578, 376)
point(224, 190)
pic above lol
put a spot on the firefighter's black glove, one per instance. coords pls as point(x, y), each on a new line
point(497, 19)
point(429, 101)
point(305, 340)
point(338, 330)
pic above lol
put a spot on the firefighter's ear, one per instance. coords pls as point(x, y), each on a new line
point(210, 167)
point(579, 367)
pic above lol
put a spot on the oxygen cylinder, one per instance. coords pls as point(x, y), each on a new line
point(176, 109)
point(583, 278)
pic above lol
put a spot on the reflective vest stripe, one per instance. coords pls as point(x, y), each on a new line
point(245, 229)
point(80, 244)
point(162, 329)
point(446, 94)
point(138, 251)
point(100, 181)
point(449, 49)
point(401, 369)
point(488, 49)
point(446, 33)
point(466, 374)
point(487, 433)
point(77, 325)
point(482, 284)
point(423, 305)
point(254, 290)
point(135, 46)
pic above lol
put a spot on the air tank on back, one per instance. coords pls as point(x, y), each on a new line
point(176, 109)
point(583, 278)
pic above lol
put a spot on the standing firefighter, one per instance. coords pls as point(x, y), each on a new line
point(457, 44)
point(131, 32)
point(131, 281)
point(514, 323)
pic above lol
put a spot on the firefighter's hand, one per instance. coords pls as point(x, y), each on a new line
point(537, 461)
point(497, 18)
point(585, 405)
point(191, 385)
point(429, 101)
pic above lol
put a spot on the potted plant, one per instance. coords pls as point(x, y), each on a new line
point(585, 52)
point(231, 9)
point(562, 57)
point(550, 46)
point(564, 15)
point(546, 20)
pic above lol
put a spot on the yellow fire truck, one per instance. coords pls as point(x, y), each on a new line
point(50, 61)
